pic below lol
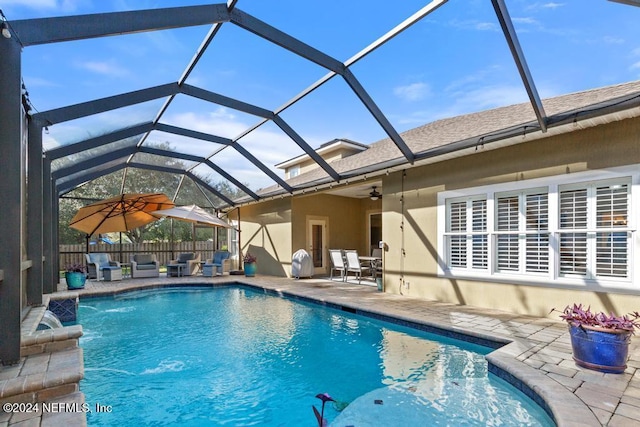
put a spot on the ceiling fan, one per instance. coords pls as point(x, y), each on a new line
point(375, 195)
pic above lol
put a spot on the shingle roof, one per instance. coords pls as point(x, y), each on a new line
point(469, 126)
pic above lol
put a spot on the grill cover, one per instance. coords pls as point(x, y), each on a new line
point(301, 264)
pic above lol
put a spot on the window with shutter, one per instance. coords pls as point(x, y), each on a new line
point(594, 241)
point(466, 237)
point(612, 245)
point(522, 222)
point(569, 232)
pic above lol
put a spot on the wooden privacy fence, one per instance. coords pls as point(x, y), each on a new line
point(165, 251)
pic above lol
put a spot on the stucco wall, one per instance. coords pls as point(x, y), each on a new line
point(266, 233)
point(616, 144)
point(345, 219)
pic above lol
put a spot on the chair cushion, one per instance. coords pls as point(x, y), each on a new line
point(183, 258)
point(101, 259)
point(143, 259)
point(151, 266)
point(220, 256)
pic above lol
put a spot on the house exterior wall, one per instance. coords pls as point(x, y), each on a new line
point(309, 164)
point(344, 216)
point(266, 233)
point(416, 273)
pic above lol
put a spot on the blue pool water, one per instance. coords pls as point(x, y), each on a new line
point(235, 357)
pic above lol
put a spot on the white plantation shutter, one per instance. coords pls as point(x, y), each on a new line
point(527, 249)
point(537, 244)
point(458, 243)
point(466, 234)
point(573, 246)
point(612, 246)
point(480, 250)
point(507, 220)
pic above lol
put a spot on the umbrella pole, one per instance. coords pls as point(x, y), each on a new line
point(87, 242)
point(172, 240)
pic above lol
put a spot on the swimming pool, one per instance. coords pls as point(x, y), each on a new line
point(234, 356)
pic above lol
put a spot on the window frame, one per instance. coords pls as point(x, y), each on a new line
point(554, 184)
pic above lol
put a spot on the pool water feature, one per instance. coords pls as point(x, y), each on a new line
point(237, 357)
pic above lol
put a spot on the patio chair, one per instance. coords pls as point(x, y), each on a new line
point(144, 265)
point(354, 265)
point(189, 263)
point(337, 263)
point(219, 264)
point(377, 263)
point(100, 267)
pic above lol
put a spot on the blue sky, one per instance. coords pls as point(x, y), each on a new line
point(454, 61)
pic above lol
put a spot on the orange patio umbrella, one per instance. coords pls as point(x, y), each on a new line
point(121, 213)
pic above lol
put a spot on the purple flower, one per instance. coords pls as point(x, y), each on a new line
point(325, 397)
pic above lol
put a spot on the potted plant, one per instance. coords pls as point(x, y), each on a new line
point(75, 276)
point(250, 265)
point(599, 341)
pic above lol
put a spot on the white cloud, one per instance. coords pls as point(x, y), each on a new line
point(469, 101)
point(474, 25)
point(105, 68)
point(552, 5)
point(613, 40)
point(38, 82)
point(548, 5)
point(64, 5)
point(530, 21)
point(412, 92)
point(223, 122)
point(35, 4)
point(635, 66)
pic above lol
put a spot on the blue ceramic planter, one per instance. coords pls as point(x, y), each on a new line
point(250, 269)
point(599, 350)
point(75, 280)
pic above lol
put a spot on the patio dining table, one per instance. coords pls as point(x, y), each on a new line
point(374, 261)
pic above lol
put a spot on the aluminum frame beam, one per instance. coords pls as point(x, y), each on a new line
point(230, 178)
point(71, 184)
point(226, 101)
point(102, 105)
point(240, 149)
point(11, 211)
point(260, 112)
point(206, 185)
point(199, 159)
point(284, 40)
point(99, 141)
point(93, 162)
point(79, 27)
point(282, 124)
point(511, 37)
point(377, 114)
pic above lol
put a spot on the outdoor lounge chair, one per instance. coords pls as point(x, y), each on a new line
point(354, 265)
point(144, 265)
point(100, 267)
point(337, 263)
point(187, 264)
point(219, 264)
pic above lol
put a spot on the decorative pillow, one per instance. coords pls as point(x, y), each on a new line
point(144, 258)
point(186, 257)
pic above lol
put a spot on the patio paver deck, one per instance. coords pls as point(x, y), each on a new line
point(538, 353)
